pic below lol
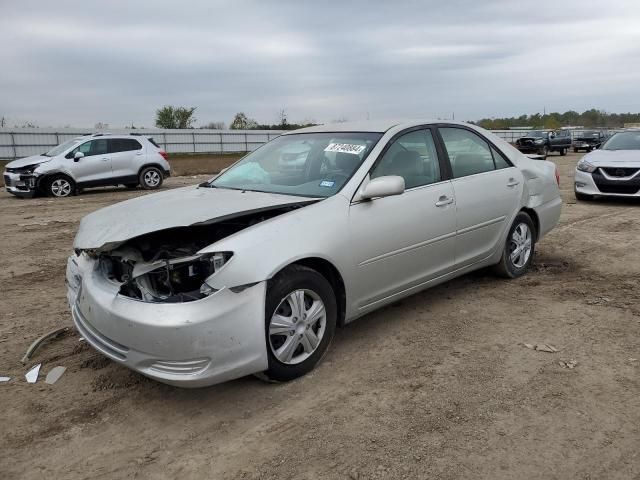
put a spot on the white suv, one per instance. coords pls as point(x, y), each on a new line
point(89, 161)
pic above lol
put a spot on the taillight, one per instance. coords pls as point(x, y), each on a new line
point(557, 176)
point(164, 154)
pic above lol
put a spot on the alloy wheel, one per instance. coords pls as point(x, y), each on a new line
point(297, 326)
point(61, 187)
point(520, 245)
point(152, 178)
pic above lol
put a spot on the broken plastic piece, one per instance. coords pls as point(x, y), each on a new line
point(54, 375)
point(35, 345)
point(32, 375)
point(5, 379)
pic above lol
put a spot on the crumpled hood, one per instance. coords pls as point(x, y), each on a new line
point(617, 158)
point(181, 207)
point(23, 162)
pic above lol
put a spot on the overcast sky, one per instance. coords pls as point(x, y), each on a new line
point(78, 63)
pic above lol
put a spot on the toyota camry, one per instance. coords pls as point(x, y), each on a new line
point(252, 271)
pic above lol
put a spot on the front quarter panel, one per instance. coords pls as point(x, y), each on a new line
point(259, 252)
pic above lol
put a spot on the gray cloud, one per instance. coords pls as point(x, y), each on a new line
point(78, 63)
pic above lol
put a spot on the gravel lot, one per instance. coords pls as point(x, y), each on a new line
point(438, 386)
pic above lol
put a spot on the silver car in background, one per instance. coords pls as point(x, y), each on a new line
point(93, 160)
point(613, 170)
point(251, 272)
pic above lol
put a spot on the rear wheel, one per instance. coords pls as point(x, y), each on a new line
point(60, 186)
point(563, 151)
point(519, 247)
point(575, 150)
point(151, 178)
point(300, 321)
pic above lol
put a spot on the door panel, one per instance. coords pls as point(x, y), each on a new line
point(485, 203)
point(95, 165)
point(401, 241)
point(487, 189)
point(125, 153)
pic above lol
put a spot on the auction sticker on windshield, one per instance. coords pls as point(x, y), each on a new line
point(345, 148)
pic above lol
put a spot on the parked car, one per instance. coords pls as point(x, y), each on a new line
point(612, 170)
point(89, 161)
point(251, 272)
point(542, 142)
point(588, 140)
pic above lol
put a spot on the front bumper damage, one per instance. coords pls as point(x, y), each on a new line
point(191, 344)
point(20, 185)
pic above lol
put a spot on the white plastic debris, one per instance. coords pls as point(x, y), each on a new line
point(32, 375)
point(54, 375)
point(5, 379)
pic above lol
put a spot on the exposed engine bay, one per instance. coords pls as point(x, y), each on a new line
point(164, 266)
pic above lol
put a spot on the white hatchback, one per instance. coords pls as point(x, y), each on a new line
point(89, 161)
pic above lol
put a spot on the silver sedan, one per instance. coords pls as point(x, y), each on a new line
point(611, 171)
point(251, 272)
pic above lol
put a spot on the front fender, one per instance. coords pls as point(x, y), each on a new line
point(319, 230)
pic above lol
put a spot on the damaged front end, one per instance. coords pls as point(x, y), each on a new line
point(167, 277)
point(166, 266)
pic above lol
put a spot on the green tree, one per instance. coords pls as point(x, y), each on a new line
point(242, 122)
point(175, 117)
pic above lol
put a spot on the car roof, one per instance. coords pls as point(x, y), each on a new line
point(379, 126)
point(111, 135)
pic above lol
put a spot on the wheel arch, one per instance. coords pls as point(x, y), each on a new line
point(534, 218)
point(43, 180)
point(333, 276)
point(147, 165)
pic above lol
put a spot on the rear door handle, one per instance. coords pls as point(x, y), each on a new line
point(444, 200)
point(105, 159)
point(513, 182)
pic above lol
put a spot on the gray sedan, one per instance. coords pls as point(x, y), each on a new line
point(251, 272)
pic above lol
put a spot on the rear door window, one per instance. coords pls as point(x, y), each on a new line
point(468, 152)
point(123, 145)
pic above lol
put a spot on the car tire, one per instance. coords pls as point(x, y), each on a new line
point(151, 178)
point(290, 335)
point(544, 151)
point(575, 150)
point(60, 186)
point(582, 196)
point(522, 235)
point(563, 152)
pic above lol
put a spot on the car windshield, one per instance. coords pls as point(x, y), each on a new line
point(305, 164)
point(536, 133)
point(623, 141)
point(61, 148)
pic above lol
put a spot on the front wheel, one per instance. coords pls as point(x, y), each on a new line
point(60, 186)
point(563, 152)
point(519, 247)
point(150, 178)
point(300, 321)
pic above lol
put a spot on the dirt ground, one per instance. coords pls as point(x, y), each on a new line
point(439, 386)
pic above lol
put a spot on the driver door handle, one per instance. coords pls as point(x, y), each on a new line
point(513, 182)
point(444, 200)
point(105, 159)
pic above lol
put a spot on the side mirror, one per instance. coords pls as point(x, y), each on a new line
point(383, 187)
point(78, 156)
